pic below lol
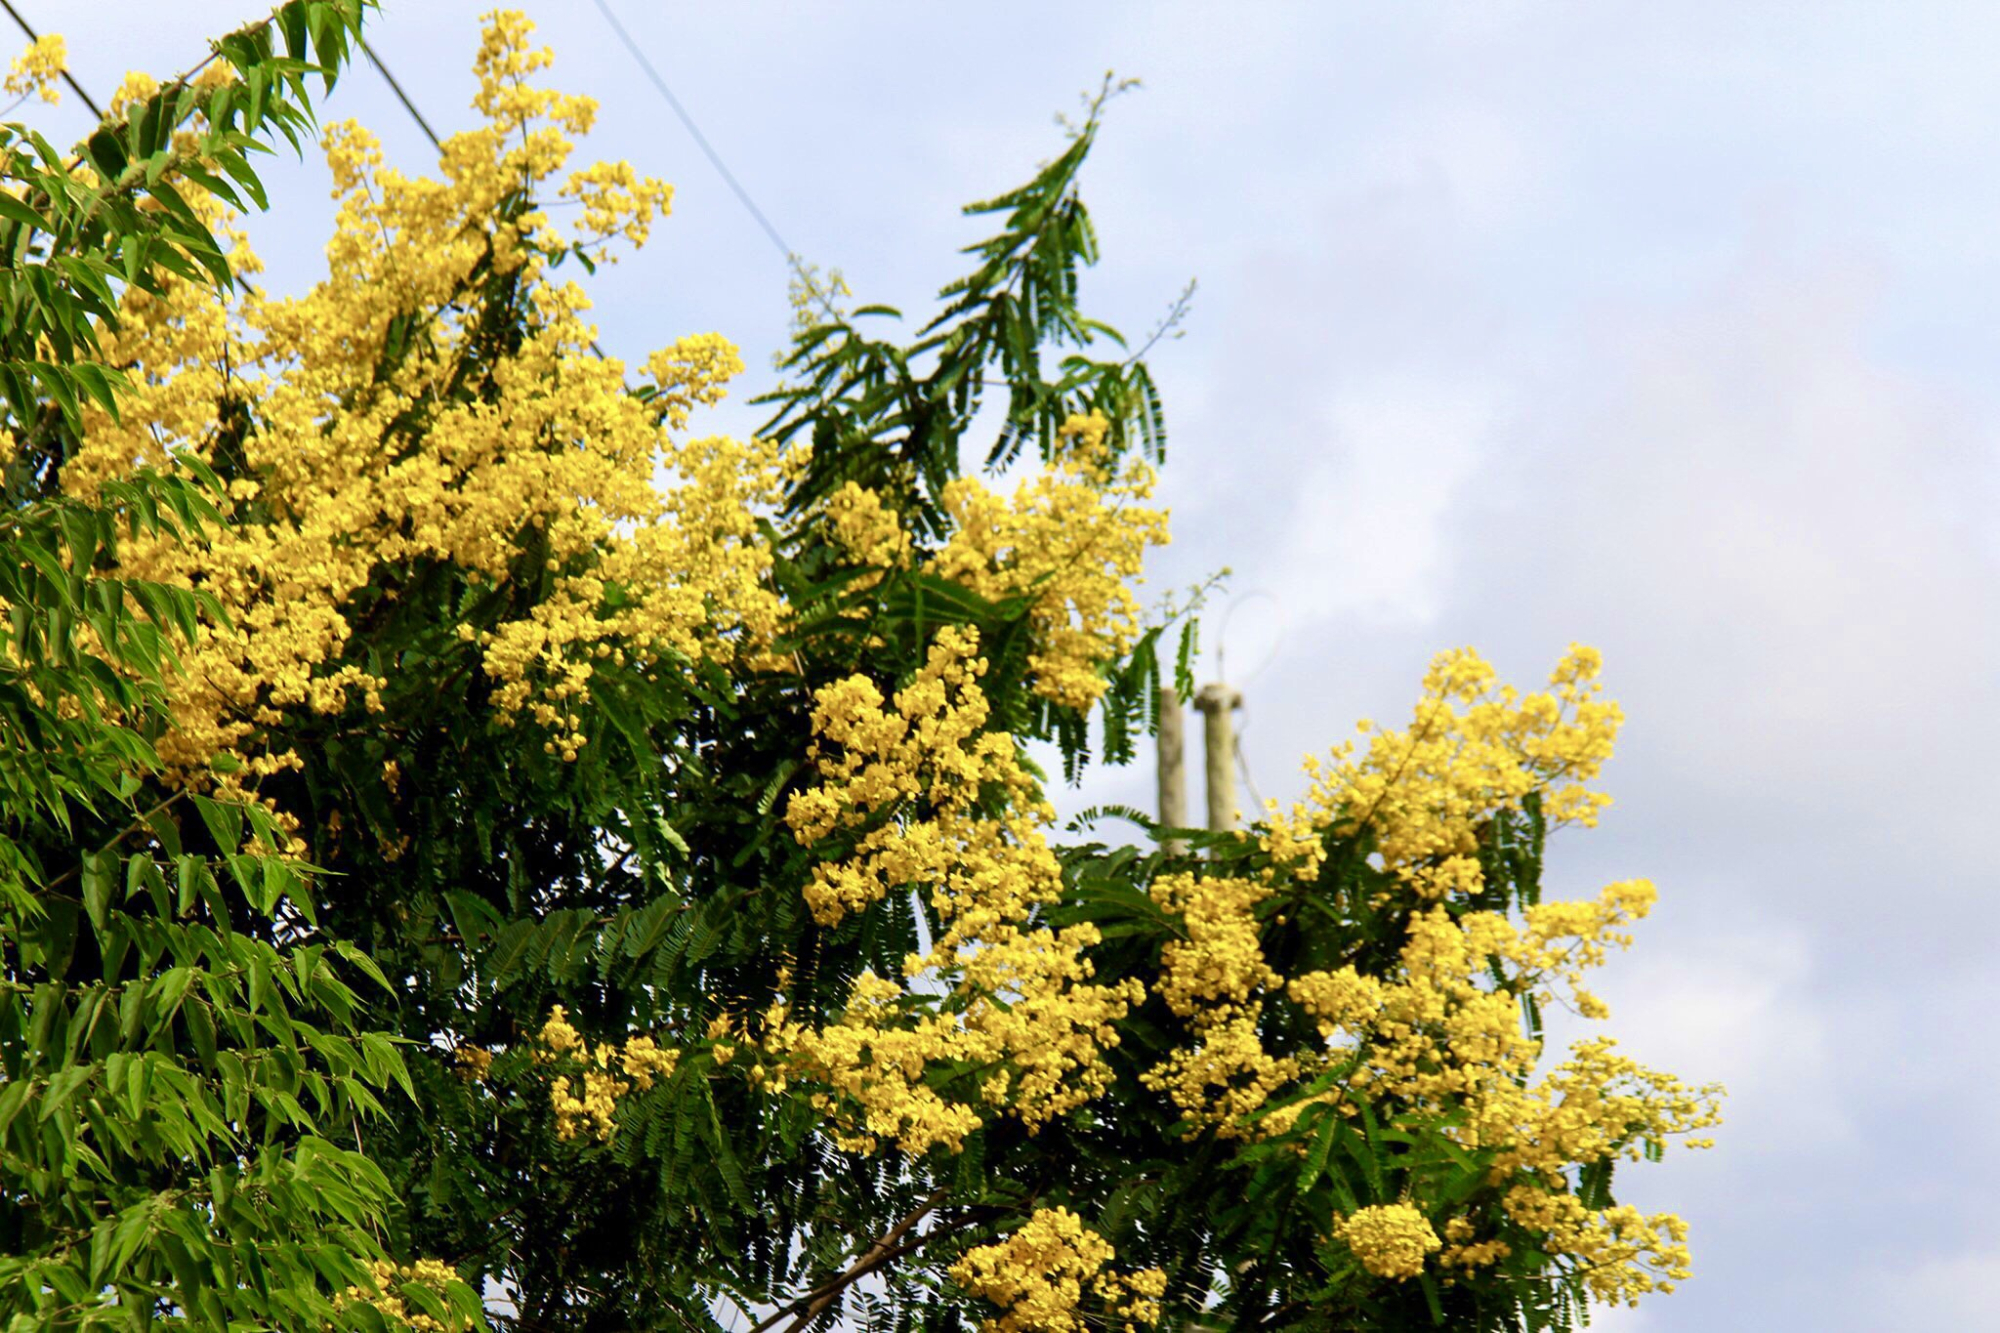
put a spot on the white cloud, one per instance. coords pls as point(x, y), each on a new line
point(1736, 1007)
point(1949, 1292)
point(1365, 531)
point(1745, 516)
point(1489, 168)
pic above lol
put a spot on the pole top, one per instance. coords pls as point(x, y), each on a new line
point(1218, 698)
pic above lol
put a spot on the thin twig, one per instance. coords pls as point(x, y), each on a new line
point(144, 821)
point(1171, 320)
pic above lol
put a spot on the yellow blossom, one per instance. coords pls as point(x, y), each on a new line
point(1391, 1240)
point(1472, 749)
point(1071, 538)
point(39, 69)
point(866, 529)
point(1041, 1275)
point(904, 780)
point(588, 1094)
point(387, 1279)
point(337, 494)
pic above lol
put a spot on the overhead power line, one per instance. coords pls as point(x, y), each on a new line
point(700, 139)
point(395, 88)
point(792, 260)
point(694, 132)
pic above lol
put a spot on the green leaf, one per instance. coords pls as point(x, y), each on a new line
point(354, 955)
point(14, 210)
point(62, 1086)
point(385, 1062)
point(224, 821)
point(97, 882)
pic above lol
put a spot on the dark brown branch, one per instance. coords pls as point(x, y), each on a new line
point(815, 1302)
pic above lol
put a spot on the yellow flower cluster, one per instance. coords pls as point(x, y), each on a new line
point(909, 781)
point(474, 1063)
point(640, 1061)
point(1472, 750)
point(359, 455)
point(1212, 978)
point(867, 529)
point(1622, 1253)
point(1462, 1251)
point(1440, 1033)
point(385, 1278)
point(617, 201)
point(1084, 442)
point(1391, 1240)
point(1224, 1075)
point(1040, 1275)
point(1345, 1002)
point(37, 70)
point(691, 372)
point(1220, 961)
point(931, 749)
point(1070, 538)
point(869, 1068)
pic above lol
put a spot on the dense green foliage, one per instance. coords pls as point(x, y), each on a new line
point(235, 1079)
point(177, 1048)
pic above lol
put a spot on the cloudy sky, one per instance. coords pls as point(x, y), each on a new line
point(1666, 328)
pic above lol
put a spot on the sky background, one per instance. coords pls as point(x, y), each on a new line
point(1665, 328)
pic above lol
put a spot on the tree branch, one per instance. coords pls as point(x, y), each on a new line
point(816, 1301)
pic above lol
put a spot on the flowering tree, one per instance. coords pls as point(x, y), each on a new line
point(672, 788)
point(178, 1042)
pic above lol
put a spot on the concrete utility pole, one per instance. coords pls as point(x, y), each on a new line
point(1217, 702)
point(1173, 779)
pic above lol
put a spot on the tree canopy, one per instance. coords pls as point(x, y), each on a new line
point(464, 830)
